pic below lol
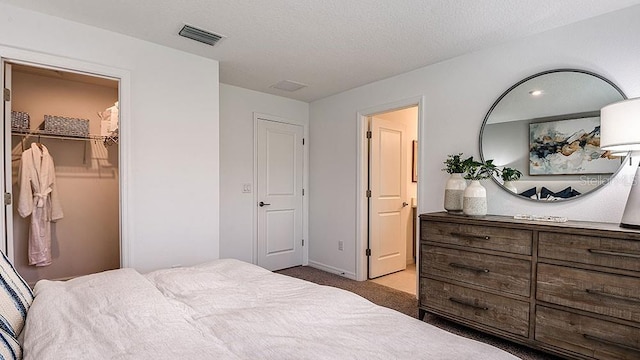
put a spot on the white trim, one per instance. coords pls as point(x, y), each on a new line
point(305, 183)
point(5, 231)
point(333, 270)
point(361, 183)
point(38, 59)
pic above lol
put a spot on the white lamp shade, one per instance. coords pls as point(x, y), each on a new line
point(620, 127)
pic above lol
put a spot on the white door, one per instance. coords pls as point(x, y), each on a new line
point(388, 208)
point(6, 223)
point(279, 194)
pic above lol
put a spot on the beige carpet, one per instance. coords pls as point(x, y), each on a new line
point(408, 304)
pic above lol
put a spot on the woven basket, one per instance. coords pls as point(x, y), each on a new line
point(59, 125)
point(20, 121)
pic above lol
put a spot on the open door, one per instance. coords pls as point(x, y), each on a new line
point(6, 183)
point(388, 206)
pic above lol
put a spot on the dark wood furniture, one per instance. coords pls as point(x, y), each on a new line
point(572, 289)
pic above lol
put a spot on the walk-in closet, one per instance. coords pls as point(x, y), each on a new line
point(72, 117)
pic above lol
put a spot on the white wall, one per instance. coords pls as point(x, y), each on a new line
point(458, 94)
point(237, 106)
point(173, 182)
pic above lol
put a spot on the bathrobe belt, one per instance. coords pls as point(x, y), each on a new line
point(40, 199)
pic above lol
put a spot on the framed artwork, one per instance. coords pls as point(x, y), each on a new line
point(568, 147)
point(414, 162)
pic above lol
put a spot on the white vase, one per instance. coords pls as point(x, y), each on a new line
point(475, 199)
point(454, 193)
point(510, 186)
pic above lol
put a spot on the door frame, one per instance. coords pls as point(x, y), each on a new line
point(305, 183)
point(362, 166)
point(37, 59)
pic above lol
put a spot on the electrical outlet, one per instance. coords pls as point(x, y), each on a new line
point(341, 245)
point(246, 188)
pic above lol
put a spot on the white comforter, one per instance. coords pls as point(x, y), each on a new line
point(225, 309)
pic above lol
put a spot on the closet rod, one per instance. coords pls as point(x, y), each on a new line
point(53, 136)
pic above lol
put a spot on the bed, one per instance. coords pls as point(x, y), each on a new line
point(225, 309)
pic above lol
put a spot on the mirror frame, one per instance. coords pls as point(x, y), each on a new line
point(505, 93)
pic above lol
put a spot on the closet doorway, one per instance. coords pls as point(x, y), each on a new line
point(73, 117)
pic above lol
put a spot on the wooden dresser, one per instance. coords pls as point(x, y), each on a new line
point(572, 289)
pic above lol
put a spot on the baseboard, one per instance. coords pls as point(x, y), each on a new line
point(333, 270)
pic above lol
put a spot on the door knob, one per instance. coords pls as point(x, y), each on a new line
point(262, 204)
point(405, 204)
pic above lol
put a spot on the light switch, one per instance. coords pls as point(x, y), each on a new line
point(246, 188)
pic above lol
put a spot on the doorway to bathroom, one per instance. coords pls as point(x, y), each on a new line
point(392, 158)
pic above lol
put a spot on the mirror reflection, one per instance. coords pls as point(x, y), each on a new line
point(547, 126)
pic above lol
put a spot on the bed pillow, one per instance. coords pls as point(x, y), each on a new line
point(546, 193)
point(15, 298)
point(566, 193)
point(528, 193)
point(9, 347)
point(562, 194)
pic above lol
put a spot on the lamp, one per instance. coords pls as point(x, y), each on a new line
point(620, 134)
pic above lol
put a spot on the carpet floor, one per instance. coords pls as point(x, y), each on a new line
point(408, 304)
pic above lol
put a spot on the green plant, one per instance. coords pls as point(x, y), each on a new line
point(510, 174)
point(455, 164)
point(478, 170)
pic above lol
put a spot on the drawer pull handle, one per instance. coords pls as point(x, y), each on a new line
point(614, 296)
point(614, 253)
point(472, 237)
point(467, 267)
point(609, 342)
point(468, 303)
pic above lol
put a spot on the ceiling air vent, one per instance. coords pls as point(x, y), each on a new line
point(288, 85)
point(200, 35)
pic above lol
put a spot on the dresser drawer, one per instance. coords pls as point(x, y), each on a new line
point(602, 293)
point(495, 272)
point(488, 309)
point(613, 253)
point(482, 237)
point(587, 336)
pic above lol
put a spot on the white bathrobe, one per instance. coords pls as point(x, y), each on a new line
point(39, 198)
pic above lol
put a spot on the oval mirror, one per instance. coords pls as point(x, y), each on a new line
point(547, 127)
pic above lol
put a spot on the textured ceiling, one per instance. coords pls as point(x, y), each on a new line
point(330, 45)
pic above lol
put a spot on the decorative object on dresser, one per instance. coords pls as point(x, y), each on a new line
point(456, 184)
point(509, 175)
point(475, 195)
point(568, 288)
point(620, 128)
point(549, 123)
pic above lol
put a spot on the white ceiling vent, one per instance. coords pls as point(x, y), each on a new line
point(200, 35)
point(288, 85)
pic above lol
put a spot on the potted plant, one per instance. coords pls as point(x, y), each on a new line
point(475, 195)
point(477, 170)
point(456, 166)
point(509, 175)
